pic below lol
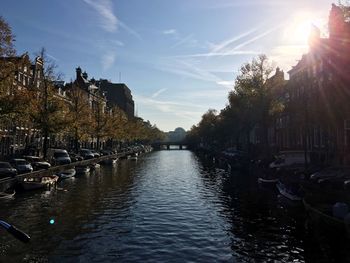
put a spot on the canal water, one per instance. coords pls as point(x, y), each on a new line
point(169, 206)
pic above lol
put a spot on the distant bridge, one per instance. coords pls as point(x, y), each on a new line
point(167, 145)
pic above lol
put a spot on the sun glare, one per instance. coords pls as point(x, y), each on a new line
point(300, 26)
point(302, 30)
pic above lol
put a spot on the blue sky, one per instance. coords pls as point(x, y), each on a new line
point(179, 58)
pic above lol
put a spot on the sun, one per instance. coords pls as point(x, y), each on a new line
point(299, 27)
point(302, 30)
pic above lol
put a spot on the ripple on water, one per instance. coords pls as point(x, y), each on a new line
point(167, 207)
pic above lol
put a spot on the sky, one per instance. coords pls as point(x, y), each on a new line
point(179, 58)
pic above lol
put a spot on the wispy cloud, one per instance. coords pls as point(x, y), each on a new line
point(157, 93)
point(52, 57)
point(109, 21)
point(257, 37)
point(227, 83)
point(211, 54)
point(228, 42)
point(188, 41)
point(230, 4)
point(130, 30)
point(193, 70)
point(169, 32)
point(108, 60)
point(187, 111)
point(187, 69)
point(117, 43)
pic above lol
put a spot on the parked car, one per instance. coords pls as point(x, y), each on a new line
point(21, 165)
point(86, 154)
point(37, 162)
point(58, 156)
point(95, 153)
point(6, 170)
point(106, 152)
point(75, 157)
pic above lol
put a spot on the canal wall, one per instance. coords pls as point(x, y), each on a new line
point(7, 183)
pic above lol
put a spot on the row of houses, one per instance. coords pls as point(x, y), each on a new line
point(18, 138)
point(316, 98)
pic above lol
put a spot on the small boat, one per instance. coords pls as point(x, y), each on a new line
point(133, 158)
point(82, 169)
point(66, 174)
point(110, 161)
point(288, 192)
point(271, 181)
point(95, 166)
point(7, 194)
point(33, 183)
point(321, 214)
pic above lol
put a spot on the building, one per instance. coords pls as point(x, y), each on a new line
point(177, 135)
point(317, 113)
point(118, 94)
point(97, 101)
point(267, 132)
point(95, 95)
point(16, 136)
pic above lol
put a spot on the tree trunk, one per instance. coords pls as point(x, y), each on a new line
point(45, 145)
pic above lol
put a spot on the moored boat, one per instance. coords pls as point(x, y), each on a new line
point(33, 183)
point(95, 166)
point(110, 161)
point(133, 158)
point(267, 181)
point(7, 194)
point(289, 192)
point(82, 169)
point(330, 217)
point(66, 174)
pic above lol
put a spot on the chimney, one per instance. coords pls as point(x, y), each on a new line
point(85, 75)
point(78, 70)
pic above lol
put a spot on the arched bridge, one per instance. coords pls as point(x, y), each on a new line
point(169, 145)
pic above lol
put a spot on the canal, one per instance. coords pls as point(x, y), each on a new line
point(169, 206)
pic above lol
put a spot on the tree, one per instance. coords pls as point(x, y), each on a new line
point(79, 117)
point(7, 40)
point(48, 109)
point(255, 95)
point(117, 125)
point(100, 121)
point(10, 98)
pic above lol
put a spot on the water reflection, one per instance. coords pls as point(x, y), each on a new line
point(167, 206)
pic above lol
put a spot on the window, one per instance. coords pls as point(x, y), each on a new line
point(25, 68)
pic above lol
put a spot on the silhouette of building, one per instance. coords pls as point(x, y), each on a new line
point(177, 135)
point(317, 112)
point(118, 94)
